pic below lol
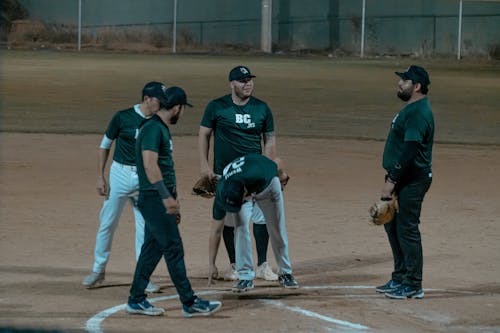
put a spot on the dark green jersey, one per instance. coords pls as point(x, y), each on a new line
point(414, 122)
point(124, 127)
point(238, 130)
point(255, 171)
point(154, 135)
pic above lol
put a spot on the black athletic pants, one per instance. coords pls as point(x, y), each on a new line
point(403, 231)
point(161, 238)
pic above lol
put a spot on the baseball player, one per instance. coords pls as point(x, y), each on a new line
point(239, 123)
point(246, 181)
point(407, 160)
point(160, 208)
point(123, 181)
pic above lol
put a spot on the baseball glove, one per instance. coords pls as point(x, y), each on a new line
point(383, 211)
point(205, 187)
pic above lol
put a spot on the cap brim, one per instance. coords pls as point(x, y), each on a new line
point(189, 104)
point(401, 75)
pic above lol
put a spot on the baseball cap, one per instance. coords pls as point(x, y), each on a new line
point(232, 195)
point(415, 73)
point(157, 90)
point(239, 73)
point(176, 96)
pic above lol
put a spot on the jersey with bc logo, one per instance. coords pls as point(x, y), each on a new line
point(154, 135)
point(255, 171)
point(123, 128)
point(414, 122)
point(237, 129)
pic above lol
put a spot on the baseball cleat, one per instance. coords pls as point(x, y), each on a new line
point(242, 286)
point(201, 307)
point(231, 274)
point(288, 281)
point(265, 272)
point(390, 286)
point(404, 292)
point(144, 308)
point(152, 288)
point(94, 279)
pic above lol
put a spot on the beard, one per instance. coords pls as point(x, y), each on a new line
point(174, 119)
point(404, 95)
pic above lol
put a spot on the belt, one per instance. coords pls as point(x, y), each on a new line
point(125, 166)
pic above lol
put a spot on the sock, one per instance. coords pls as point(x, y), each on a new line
point(261, 242)
point(228, 236)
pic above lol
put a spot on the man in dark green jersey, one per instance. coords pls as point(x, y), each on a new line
point(240, 123)
point(123, 183)
point(407, 160)
point(160, 208)
point(247, 181)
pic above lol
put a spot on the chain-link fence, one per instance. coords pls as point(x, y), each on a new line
point(337, 27)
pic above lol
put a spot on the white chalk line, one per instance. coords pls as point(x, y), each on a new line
point(93, 325)
point(315, 315)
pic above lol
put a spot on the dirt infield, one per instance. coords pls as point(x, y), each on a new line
point(49, 217)
point(49, 206)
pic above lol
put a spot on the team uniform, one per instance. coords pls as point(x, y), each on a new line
point(260, 177)
point(237, 131)
point(162, 237)
point(123, 184)
point(414, 123)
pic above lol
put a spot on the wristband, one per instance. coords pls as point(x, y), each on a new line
point(162, 189)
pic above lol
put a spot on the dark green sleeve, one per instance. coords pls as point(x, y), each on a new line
point(269, 123)
point(151, 138)
point(208, 115)
point(114, 127)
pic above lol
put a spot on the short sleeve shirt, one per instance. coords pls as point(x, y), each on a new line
point(238, 130)
point(154, 135)
point(415, 122)
point(124, 127)
point(255, 171)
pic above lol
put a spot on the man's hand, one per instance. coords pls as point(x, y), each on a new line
point(387, 190)
point(172, 206)
point(213, 274)
point(102, 186)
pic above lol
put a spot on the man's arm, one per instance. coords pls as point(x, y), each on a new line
point(153, 172)
point(204, 136)
point(102, 184)
point(269, 145)
point(213, 247)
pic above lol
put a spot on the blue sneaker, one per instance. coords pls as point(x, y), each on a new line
point(404, 292)
point(144, 308)
point(201, 308)
point(390, 286)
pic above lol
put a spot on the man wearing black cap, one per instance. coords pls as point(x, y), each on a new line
point(239, 123)
point(247, 181)
point(123, 182)
point(407, 160)
point(160, 208)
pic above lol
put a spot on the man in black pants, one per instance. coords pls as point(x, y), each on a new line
point(408, 159)
point(160, 208)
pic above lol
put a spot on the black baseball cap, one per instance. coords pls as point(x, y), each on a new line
point(239, 73)
point(232, 195)
point(157, 90)
point(176, 96)
point(415, 73)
